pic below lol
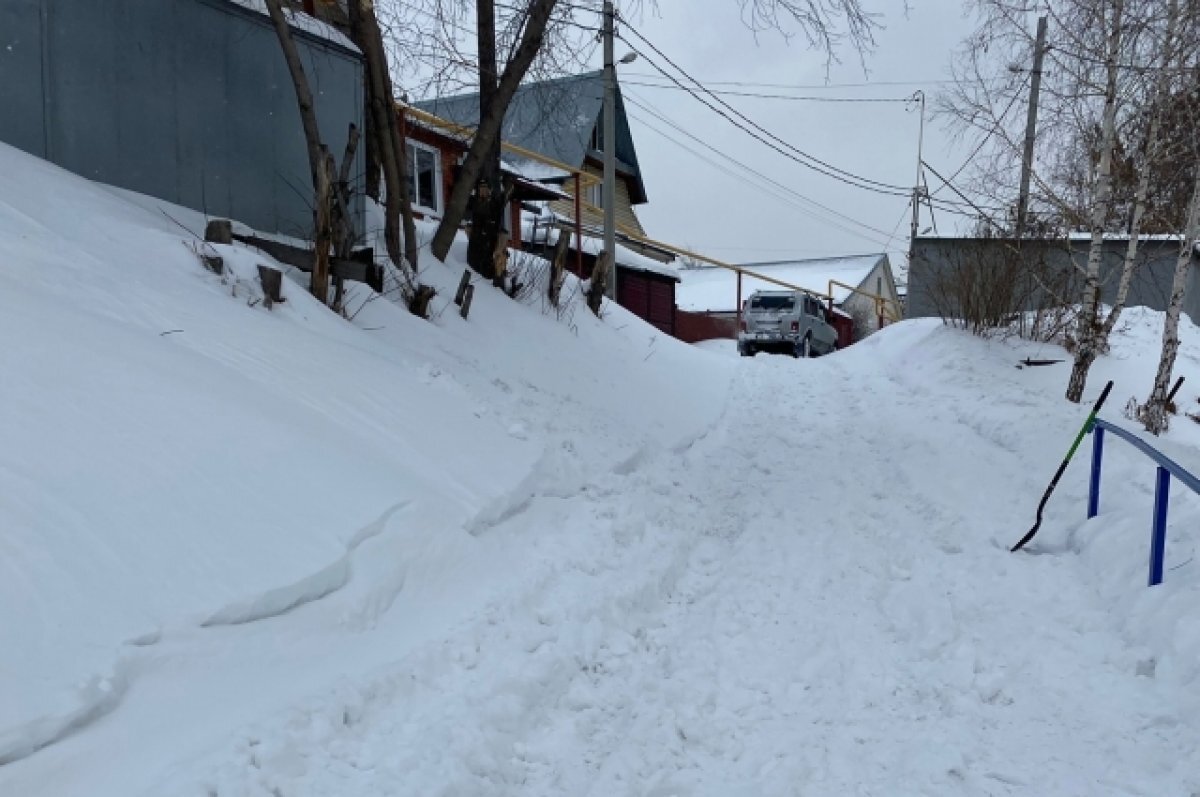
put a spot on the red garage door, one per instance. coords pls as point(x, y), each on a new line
point(648, 296)
point(662, 305)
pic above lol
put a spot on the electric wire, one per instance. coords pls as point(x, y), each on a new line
point(762, 134)
point(781, 186)
point(824, 168)
point(775, 194)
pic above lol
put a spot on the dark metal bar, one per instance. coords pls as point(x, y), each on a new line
point(1094, 484)
point(1158, 538)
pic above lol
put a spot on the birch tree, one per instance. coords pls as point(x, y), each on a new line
point(1087, 337)
point(319, 159)
point(1105, 74)
point(1153, 414)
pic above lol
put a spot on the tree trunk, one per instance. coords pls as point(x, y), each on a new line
point(324, 237)
point(385, 145)
point(1154, 413)
point(487, 202)
point(343, 223)
point(321, 176)
point(599, 282)
point(1087, 339)
point(487, 135)
point(1159, 99)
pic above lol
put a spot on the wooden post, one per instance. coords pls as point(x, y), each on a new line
point(219, 231)
point(558, 261)
point(272, 285)
point(514, 210)
point(463, 284)
point(739, 300)
point(466, 305)
point(578, 227)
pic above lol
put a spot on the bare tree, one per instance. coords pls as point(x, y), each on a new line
point(1087, 337)
point(1105, 83)
point(318, 155)
point(534, 29)
point(482, 160)
point(828, 25)
point(1153, 414)
point(387, 148)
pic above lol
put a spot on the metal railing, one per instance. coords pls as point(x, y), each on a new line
point(1167, 468)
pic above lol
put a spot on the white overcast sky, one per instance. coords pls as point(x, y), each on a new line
point(694, 203)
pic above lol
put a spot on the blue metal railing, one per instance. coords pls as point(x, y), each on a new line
point(1167, 468)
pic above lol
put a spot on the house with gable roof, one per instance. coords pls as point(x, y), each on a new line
point(561, 120)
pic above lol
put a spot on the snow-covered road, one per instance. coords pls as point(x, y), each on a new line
point(812, 598)
point(269, 553)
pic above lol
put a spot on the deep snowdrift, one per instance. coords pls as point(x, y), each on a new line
point(252, 552)
point(174, 457)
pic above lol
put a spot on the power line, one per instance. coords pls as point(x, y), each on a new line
point(775, 96)
point(986, 138)
point(779, 195)
point(809, 86)
point(796, 154)
point(950, 185)
point(788, 189)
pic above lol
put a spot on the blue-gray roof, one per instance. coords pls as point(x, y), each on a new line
point(554, 118)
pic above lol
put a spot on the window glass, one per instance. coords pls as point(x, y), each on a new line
point(773, 303)
point(423, 177)
point(426, 179)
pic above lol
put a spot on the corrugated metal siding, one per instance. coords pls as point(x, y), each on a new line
point(186, 100)
point(935, 259)
point(23, 115)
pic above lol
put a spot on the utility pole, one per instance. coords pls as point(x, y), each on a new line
point(916, 197)
point(1035, 86)
point(609, 142)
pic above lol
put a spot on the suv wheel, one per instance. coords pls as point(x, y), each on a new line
point(804, 349)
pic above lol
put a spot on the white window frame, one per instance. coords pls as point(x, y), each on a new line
point(438, 200)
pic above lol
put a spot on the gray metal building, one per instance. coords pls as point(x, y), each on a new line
point(1057, 263)
point(189, 101)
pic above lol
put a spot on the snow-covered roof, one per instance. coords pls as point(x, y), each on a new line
point(593, 246)
point(631, 259)
point(1070, 236)
point(534, 170)
point(715, 289)
point(305, 23)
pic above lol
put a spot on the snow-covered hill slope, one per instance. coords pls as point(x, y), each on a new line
point(252, 552)
point(174, 458)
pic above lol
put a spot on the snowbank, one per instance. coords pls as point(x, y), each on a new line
point(176, 456)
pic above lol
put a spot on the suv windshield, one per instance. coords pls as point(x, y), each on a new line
point(773, 303)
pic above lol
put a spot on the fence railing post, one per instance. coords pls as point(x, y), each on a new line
point(1093, 506)
point(1158, 538)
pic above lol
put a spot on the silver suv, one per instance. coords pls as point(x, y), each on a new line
point(790, 322)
